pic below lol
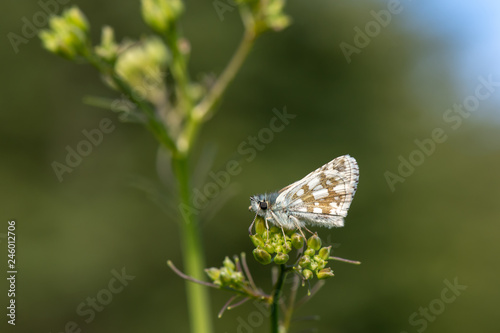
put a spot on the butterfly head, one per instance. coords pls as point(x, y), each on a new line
point(261, 203)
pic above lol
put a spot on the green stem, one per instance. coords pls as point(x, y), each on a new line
point(275, 326)
point(193, 255)
point(179, 69)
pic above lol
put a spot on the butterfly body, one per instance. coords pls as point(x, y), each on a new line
point(322, 198)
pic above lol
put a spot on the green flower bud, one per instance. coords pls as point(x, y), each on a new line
point(237, 277)
point(325, 273)
point(324, 252)
point(321, 263)
point(142, 66)
point(297, 240)
point(276, 230)
point(313, 265)
point(287, 247)
point(160, 14)
point(213, 273)
point(279, 248)
point(281, 258)
point(257, 240)
point(304, 261)
point(229, 264)
point(309, 252)
point(75, 17)
point(225, 276)
point(269, 248)
point(108, 49)
point(262, 256)
point(68, 34)
point(307, 274)
point(260, 226)
point(314, 242)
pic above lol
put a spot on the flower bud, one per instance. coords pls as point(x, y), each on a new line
point(237, 277)
point(281, 258)
point(213, 273)
point(324, 252)
point(309, 252)
point(314, 242)
point(287, 247)
point(307, 274)
point(275, 230)
point(321, 263)
point(108, 49)
point(74, 16)
point(257, 240)
point(269, 248)
point(262, 256)
point(68, 34)
point(304, 261)
point(297, 240)
point(225, 276)
point(325, 273)
point(228, 264)
point(160, 14)
point(313, 265)
point(260, 226)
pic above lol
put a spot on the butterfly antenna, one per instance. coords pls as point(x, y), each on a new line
point(251, 225)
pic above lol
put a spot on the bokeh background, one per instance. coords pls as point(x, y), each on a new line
point(440, 223)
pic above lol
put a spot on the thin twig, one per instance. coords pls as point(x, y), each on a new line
point(354, 262)
point(247, 271)
point(226, 306)
point(189, 278)
point(243, 301)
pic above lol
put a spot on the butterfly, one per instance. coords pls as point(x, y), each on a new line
point(322, 198)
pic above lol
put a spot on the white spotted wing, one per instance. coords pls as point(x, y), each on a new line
point(322, 197)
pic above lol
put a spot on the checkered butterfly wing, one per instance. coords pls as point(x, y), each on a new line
point(323, 196)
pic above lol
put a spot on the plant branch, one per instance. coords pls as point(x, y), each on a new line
point(205, 109)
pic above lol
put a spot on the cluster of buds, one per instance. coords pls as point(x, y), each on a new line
point(269, 242)
point(68, 35)
point(228, 275)
point(314, 260)
point(274, 245)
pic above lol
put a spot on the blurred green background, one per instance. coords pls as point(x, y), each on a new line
point(440, 223)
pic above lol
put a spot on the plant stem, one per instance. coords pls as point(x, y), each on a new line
point(193, 255)
point(275, 326)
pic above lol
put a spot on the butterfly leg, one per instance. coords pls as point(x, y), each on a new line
point(297, 225)
point(312, 233)
point(251, 225)
point(281, 226)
